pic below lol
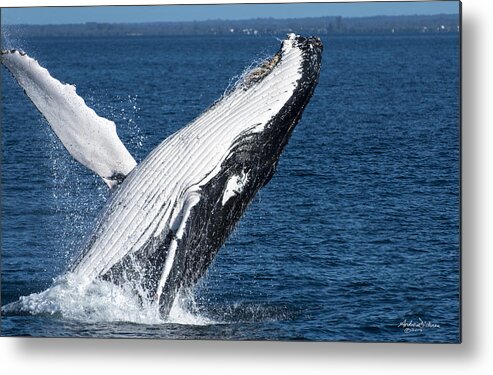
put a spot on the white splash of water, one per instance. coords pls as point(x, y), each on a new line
point(75, 298)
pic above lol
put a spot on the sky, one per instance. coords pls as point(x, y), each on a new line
point(114, 14)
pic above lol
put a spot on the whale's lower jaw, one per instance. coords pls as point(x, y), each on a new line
point(198, 220)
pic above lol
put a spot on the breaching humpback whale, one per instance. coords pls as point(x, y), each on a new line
point(168, 216)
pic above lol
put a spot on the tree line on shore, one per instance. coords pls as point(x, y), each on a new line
point(260, 26)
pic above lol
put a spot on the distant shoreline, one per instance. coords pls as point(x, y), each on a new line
point(440, 23)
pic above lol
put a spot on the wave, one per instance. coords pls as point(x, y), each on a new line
point(74, 298)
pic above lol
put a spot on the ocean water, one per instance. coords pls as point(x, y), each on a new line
point(356, 238)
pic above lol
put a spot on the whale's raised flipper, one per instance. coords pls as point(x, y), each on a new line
point(92, 140)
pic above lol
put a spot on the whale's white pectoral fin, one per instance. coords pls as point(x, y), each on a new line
point(178, 229)
point(92, 140)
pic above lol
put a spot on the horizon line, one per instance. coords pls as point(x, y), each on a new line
point(230, 20)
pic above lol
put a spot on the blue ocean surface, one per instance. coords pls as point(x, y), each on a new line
point(356, 238)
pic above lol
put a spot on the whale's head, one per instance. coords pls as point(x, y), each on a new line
point(280, 88)
point(265, 106)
